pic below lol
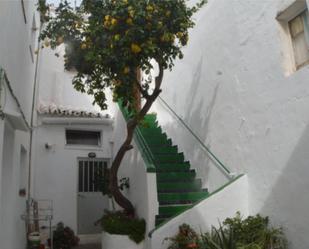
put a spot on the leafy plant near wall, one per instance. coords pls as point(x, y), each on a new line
point(254, 232)
point(64, 237)
point(185, 238)
point(120, 223)
point(101, 181)
point(108, 43)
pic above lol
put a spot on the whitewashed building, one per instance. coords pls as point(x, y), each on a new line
point(44, 127)
point(236, 105)
point(68, 128)
point(242, 88)
point(19, 30)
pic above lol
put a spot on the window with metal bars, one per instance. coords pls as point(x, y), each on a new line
point(91, 174)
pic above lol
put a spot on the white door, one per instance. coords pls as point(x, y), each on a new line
point(91, 202)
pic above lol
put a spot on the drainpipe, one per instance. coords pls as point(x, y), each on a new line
point(34, 93)
point(1, 78)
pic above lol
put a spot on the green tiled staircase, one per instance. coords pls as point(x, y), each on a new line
point(177, 185)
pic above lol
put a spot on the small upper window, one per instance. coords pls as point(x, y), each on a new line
point(299, 30)
point(81, 137)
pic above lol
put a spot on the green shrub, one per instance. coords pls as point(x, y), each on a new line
point(64, 237)
point(186, 238)
point(119, 223)
point(219, 238)
point(254, 232)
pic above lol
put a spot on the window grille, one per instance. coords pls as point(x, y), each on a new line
point(91, 175)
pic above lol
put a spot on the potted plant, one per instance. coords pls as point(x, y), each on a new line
point(64, 237)
point(122, 231)
point(111, 44)
point(253, 232)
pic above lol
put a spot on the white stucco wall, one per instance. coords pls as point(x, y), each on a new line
point(15, 40)
point(207, 213)
point(15, 57)
point(55, 85)
point(56, 171)
point(14, 175)
point(233, 90)
point(143, 189)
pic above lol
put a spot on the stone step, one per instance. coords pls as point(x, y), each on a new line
point(176, 176)
point(181, 198)
point(194, 185)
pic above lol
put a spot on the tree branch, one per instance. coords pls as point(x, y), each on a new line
point(142, 91)
point(155, 94)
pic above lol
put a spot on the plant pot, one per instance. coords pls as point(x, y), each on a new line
point(115, 241)
point(34, 240)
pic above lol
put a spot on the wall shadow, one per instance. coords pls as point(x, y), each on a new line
point(288, 201)
point(198, 118)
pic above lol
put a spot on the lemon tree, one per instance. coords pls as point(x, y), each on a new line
point(108, 41)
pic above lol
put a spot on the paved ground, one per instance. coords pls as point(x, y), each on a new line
point(89, 246)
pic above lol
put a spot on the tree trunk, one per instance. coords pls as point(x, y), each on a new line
point(137, 93)
point(113, 183)
point(126, 146)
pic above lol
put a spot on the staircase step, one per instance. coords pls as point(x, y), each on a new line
point(181, 190)
point(180, 198)
point(149, 125)
point(173, 209)
point(169, 158)
point(168, 165)
point(194, 185)
point(178, 167)
point(150, 130)
point(153, 136)
point(150, 117)
point(161, 139)
point(176, 176)
point(159, 221)
point(158, 142)
point(176, 184)
point(164, 149)
point(162, 218)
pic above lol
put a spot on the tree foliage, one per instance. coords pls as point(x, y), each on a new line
point(107, 40)
point(108, 43)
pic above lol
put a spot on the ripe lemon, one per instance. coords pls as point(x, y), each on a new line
point(129, 21)
point(135, 48)
point(126, 70)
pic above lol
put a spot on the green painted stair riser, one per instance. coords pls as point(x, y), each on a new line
point(151, 131)
point(158, 142)
point(177, 185)
point(176, 176)
point(191, 196)
point(154, 135)
point(165, 150)
point(173, 167)
point(171, 210)
point(169, 158)
point(194, 185)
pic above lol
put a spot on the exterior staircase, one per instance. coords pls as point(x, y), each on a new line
point(177, 186)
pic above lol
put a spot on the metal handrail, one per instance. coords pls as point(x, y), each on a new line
point(141, 143)
point(218, 163)
point(144, 146)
